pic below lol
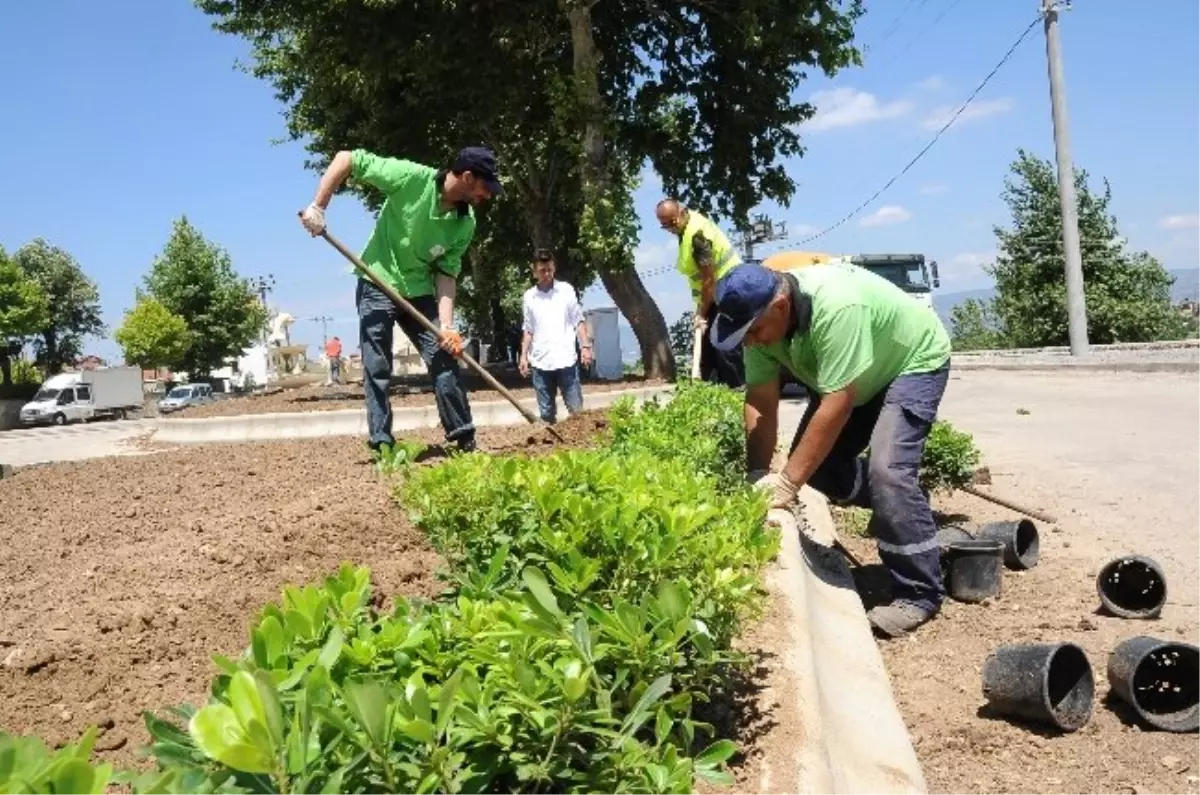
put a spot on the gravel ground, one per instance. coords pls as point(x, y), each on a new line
point(335, 398)
point(937, 678)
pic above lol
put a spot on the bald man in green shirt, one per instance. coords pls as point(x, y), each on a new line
point(423, 229)
point(876, 363)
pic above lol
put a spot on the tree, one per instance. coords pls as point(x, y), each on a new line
point(565, 93)
point(973, 327)
point(74, 303)
point(1128, 294)
point(195, 280)
point(682, 340)
point(24, 309)
point(152, 336)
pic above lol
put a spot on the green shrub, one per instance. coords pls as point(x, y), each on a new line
point(703, 425)
point(950, 458)
point(504, 694)
point(606, 526)
point(27, 765)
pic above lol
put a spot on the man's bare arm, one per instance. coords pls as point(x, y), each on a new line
point(332, 179)
point(762, 424)
point(819, 437)
point(447, 289)
point(702, 255)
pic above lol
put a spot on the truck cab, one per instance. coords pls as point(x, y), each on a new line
point(906, 271)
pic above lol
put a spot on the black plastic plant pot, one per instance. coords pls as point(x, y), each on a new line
point(1020, 539)
point(1049, 683)
point(974, 569)
point(1160, 680)
point(1132, 586)
point(951, 534)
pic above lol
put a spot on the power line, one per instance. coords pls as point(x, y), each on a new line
point(935, 138)
point(894, 25)
point(925, 31)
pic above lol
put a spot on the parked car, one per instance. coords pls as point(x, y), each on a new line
point(185, 395)
point(92, 394)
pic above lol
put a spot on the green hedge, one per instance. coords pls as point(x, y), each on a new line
point(594, 599)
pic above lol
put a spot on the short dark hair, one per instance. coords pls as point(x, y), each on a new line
point(543, 255)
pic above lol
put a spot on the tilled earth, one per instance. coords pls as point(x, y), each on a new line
point(120, 577)
point(413, 392)
point(937, 674)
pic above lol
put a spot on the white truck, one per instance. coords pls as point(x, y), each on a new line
point(91, 394)
point(906, 271)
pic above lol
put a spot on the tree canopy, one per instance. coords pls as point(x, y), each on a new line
point(1128, 294)
point(575, 97)
point(24, 309)
point(74, 303)
point(195, 280)
point(152, 336)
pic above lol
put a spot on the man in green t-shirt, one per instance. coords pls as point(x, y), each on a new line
point(424, 226)
point(876, 363)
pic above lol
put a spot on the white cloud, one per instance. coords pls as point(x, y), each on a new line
point(849, 107)
point(802, 230)
point(885, 216)
point(933, 188)
point(656, 255)
point(932, 83)
point(1185, 221)
point(965, 271)
point(975, 111)
point(974, 259)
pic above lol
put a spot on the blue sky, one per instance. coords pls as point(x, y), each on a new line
point(123, 115)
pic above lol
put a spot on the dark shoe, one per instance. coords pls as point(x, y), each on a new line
point(466, 445)
point(898, 619)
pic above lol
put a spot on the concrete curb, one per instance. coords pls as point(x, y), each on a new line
point(1071, 367)
point(854, 738)
point(353, 422)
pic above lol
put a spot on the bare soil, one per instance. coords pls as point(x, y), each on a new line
point(406, 392)
point(119, 577)
point(937, 678)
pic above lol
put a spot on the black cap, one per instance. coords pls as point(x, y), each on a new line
point(481, 162)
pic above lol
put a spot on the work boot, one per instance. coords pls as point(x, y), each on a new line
point(899, 618)
point(467, 444)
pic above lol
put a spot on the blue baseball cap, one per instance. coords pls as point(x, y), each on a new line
point(481, 162)
point(741, 296)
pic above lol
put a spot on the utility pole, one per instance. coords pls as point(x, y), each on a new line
point(762, 230)
point(263, 285)
point(324, 332)
point(1076, 305)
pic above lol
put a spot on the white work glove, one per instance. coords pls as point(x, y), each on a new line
point(699, 323)
point(313, 219)
point(781, 491)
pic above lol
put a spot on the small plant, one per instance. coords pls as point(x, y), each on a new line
point(950, 459)
point(27, 765)
point(851, 521)
point(392, 458)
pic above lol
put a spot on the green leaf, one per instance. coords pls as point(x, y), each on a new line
point(716, 754)
point(536, 582)
point(368, 701)
point(641, 710)
point(216, 731)
point(331, 650)
point(446, 701)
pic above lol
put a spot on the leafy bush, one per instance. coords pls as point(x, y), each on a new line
point(703, 425)
point(27, 765)
point(502, 694)
point(606, 526)
point(950, 458)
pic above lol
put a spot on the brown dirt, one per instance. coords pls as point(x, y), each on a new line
point(407, 393)
point(752, 711)
point(936, 676)
point(119, 577)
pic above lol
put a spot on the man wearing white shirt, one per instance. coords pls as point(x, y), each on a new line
point(553, 320)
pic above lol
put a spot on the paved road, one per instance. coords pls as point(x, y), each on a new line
point(71, 442)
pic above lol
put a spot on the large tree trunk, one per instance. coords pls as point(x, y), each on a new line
point(622, 283)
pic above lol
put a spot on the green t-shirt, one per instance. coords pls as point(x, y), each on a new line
point(865, 331)
point(413, 237)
